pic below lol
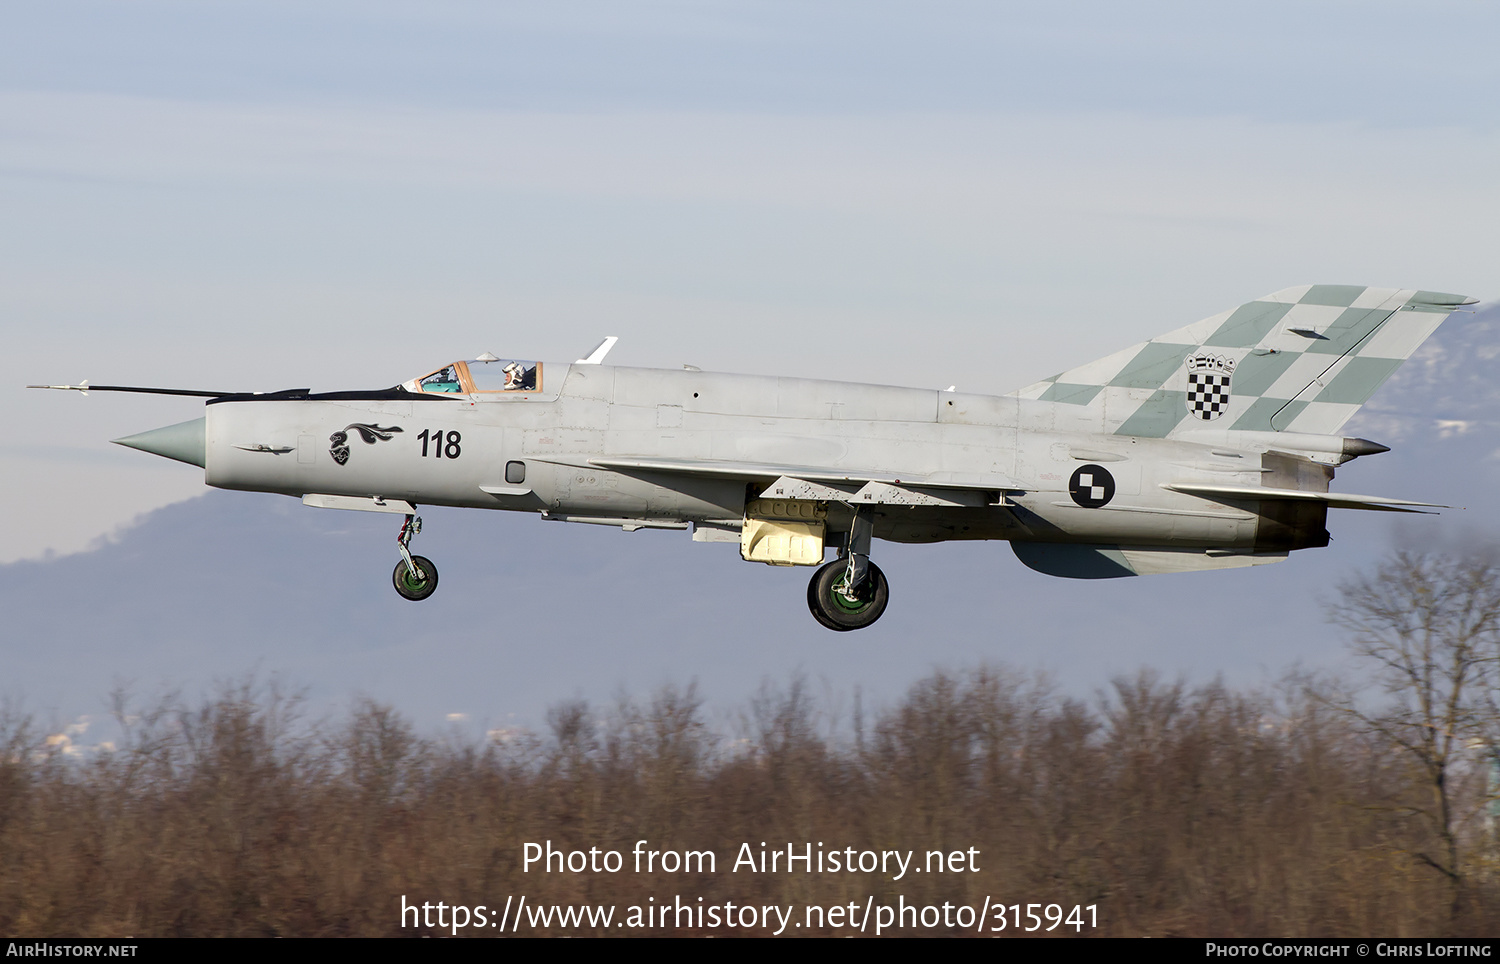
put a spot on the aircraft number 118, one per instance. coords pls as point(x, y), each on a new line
point(450, 450)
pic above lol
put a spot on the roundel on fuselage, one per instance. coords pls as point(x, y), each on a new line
point(1091, 486)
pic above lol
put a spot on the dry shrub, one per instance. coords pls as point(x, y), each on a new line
point(1176, 811)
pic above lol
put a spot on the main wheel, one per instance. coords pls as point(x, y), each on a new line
point(812, 605)
point(418, 587)
point(831, 608)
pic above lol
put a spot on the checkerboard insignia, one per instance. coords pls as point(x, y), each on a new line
point(1208, 385)
point(1091, 486)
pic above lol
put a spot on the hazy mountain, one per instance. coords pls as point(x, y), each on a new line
point(530, 612)
point(1440, 413)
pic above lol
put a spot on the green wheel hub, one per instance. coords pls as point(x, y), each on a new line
point(416, 582)
point(415, 586)
point(864, 595)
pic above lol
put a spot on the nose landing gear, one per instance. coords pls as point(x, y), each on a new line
point(415, 577)
point(851, 592)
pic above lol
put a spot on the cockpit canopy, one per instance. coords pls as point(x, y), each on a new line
point(485, 374)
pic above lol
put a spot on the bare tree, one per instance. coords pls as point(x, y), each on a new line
point(1429, 626)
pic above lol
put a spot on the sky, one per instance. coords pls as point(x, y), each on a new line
point(258, 196)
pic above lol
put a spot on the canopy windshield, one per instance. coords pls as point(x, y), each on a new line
point(505, 375)
point(487, 374)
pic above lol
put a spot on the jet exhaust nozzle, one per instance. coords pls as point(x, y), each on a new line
point(184, 442)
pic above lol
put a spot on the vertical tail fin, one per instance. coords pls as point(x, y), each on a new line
point(1301, 360)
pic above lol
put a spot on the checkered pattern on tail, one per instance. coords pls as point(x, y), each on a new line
point(1208, 394)
point(1301, 360)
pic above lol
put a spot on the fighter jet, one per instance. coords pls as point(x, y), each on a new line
point(1209, 447)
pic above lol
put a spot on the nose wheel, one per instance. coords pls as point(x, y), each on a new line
point(415, 577)
point(415, 580)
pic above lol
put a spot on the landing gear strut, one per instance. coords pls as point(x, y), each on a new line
point(415, 577)
point(851, 592)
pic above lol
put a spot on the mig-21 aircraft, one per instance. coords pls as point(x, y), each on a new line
point(1209, 447)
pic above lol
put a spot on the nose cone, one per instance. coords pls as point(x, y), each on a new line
point(184, 442)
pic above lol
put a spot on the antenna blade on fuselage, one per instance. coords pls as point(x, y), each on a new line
point(596, 356)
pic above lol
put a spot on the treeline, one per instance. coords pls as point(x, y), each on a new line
point(1174, 811)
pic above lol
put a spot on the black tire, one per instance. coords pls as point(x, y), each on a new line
point(415, 589)
point(832, 610)
point(812, 604)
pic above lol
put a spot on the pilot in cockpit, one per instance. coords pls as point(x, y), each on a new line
point(482, 375)
point(519, 378)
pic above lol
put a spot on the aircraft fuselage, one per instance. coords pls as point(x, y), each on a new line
point(1012, 463)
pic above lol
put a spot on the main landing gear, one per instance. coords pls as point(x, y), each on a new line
point(415, 577)
point(851, 592)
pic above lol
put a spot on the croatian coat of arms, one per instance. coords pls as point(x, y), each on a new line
point(1208, 385)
